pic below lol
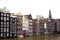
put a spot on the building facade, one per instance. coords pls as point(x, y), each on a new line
point(5, 28)
point(50, 26)
point(41, 24)
point(35, 27)
point(27, 25)
point(19, 24)
point(57, 25)
point(4, 24)
point(13, 26)
point(30, 24)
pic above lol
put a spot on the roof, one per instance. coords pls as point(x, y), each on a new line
point(29, 16)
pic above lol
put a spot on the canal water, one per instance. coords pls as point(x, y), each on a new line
point(41, 37)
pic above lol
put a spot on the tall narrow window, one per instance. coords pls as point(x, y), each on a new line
point(1, 14)
point(4, 18)
point(4, 29)
point(2, 23)
point(1, 29)
point(8, 25)
point(7, 18)
point(7, 14)
point(7, 34)
point(1, 34)
point(7, 29)
point(4, 14)
point(1, 18)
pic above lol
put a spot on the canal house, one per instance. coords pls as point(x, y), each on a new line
point(35, 27)
point(13, 26)
point(4, 24)
point(41, 24)
point(27, 25)
point(8, 24)
point(19, 24)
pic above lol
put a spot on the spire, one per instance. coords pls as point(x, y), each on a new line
point(50, 16)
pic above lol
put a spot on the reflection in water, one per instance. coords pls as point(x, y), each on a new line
point(41, 37)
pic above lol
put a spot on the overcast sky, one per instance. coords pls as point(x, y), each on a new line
point(35, 7)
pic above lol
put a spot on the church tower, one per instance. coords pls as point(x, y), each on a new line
point(50, 16)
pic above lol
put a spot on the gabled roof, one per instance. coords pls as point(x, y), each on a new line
point(29, 16)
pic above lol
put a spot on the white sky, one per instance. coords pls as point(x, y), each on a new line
point(35, 7)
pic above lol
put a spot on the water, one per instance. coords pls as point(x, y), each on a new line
point(41, 37)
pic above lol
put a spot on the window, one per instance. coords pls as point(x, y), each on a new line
point(1, 25)
point(15, 19)
point(10, 22)
point(11, 19)
point(7, 29)
point(1, 29)
point(4, 29)
point(7, 25)
point(10, 25)
point(1, 18)
point(7, 18)
point(15, 26)
point(10, 34)
point(15, 23)
point(4, 25)
point(1, 22)
point(4, 22)
point(4, 18)
point(7, 14)
point(10, 29)
point(7, 34)
point(4, 35)
point(1, 14)
point(41, 30)
point(4, 14)
point(1, 34)
point(30, 20)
